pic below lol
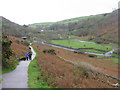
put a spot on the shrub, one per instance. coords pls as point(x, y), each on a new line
point(25, 43)
point(75, 52)
point(91, 55)
point(17, 41)
point(51, 51)
point(8, 58)
point(78, 52)
point(87, 67)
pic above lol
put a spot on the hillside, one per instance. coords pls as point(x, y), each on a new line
point(19, 47)
point(67, 69)
point(11, 28)
point(102, 26)
point(12, 51)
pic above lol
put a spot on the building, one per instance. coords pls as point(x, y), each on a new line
point(24, 38)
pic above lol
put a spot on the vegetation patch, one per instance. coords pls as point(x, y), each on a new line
point(51, 51)
point(1, 80)
point(116, 60)
point(91, 55)
point(78, 52)
point(64, 71)
point(92, 50)
point(34, 72)
point(25, 43)
point(9, 61)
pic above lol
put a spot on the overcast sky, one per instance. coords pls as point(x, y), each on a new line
point(35, 11)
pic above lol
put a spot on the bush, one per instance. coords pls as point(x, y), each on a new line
point(87, 67)
point(78, 52)
point(51, 51)
point(75, 52)
point(26, 43)
point(17, 41)
point(91, 55)
point(8, 58)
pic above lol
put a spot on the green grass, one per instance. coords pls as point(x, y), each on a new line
point(34, 73)
point(93, 51)
point(76, 19)
point(100, 56)
point(1, 80)
point(44, 23)
point(10, 69)
point(72, 36)
point(7, 70)
point(75, 44)
point(116, 60)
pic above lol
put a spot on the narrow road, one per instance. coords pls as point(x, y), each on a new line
point(67, 48)
point(71, 49)
point(19, 77)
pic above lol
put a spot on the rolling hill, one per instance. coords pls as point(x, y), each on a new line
point(102, 26)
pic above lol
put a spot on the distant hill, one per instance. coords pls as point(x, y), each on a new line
point(101, 26)
point(11, 28)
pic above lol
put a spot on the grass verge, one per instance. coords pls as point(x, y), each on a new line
point(33, 74)
point(1, 80)
point(7, 70)
point(10, 69)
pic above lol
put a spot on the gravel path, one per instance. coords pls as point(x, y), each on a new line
point(19, 77)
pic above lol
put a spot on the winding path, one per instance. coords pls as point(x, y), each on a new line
point(19, 77)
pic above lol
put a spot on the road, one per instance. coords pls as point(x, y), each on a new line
point(19, 77)
point(106, 54)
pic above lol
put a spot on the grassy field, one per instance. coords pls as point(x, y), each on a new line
point(75, 44)
point(93, 51)
point(33, 74)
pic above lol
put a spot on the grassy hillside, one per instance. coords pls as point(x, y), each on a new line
point(44, 23)
point(9, 61)
point(75, 19)
point(67, 69)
